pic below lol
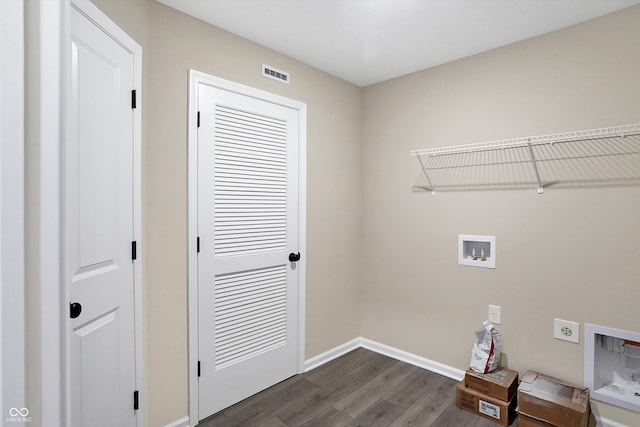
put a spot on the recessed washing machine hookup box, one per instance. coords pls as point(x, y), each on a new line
point(612, 365)
point(477, 251)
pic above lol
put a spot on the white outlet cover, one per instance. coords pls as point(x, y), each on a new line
point(494, 314)
point(566, 330)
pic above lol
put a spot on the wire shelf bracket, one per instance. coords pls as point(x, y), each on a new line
point(535, 168)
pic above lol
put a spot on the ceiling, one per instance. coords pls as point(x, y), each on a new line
point(369, 41)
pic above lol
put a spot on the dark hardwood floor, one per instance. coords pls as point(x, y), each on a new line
point(361, 388)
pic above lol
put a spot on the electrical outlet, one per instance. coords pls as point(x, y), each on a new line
point(494, 314)
point(566, 330)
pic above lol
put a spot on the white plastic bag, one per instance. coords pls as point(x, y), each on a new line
point(485, 354)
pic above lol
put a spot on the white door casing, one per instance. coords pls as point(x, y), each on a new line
point(12, 222)
point(246, 297)
point(102, 220)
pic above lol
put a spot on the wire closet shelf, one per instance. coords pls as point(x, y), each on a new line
point(596, 157)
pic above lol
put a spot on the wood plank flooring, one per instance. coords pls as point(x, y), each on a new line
point(361, 388)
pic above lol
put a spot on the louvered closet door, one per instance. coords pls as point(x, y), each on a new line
point(247, 224)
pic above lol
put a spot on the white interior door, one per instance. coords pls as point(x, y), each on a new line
point(99, 228)
point(247, 227)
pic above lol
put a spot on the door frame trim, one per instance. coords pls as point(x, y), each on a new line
point(12, 208)
point(46, 31)
point(102, 21)
point(195, 79)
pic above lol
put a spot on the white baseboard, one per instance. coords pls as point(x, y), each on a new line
point(182, 422)
point(404, 356)
point(413, 359)
point(605, 422)
point(329, 355)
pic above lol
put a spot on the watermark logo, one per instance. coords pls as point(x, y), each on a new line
point(18, 415)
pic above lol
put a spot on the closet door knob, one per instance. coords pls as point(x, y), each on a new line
point(294, 257)
point(75, 308)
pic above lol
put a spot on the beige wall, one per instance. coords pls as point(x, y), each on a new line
point(173, 43)
point(569, 253)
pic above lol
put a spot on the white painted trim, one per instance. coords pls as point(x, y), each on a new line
point(605, 422)
point(395, 353)
point(195, 79)
point(333, 353)
point(102, 21)
point(192, 254)
point(182, 422)
point(413, 359)
point(49, 19)
point(64, 289)
point(12, 223)
point(302, 232)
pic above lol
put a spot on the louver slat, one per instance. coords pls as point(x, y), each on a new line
point(250, 314)
point(250, 199)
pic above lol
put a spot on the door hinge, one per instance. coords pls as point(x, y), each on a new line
point(198, 369)
point(133, 98)
point(134, 250)
point(198, 244)
point(136, 403)
point(198, 118)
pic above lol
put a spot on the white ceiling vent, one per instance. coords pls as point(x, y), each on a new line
point(275, 74)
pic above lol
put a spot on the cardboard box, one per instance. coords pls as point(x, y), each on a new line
point(553, 401)
point(501, 383)
point(525, 421)
point(485, 406)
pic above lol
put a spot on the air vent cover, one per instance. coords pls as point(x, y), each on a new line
point(275, 74)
